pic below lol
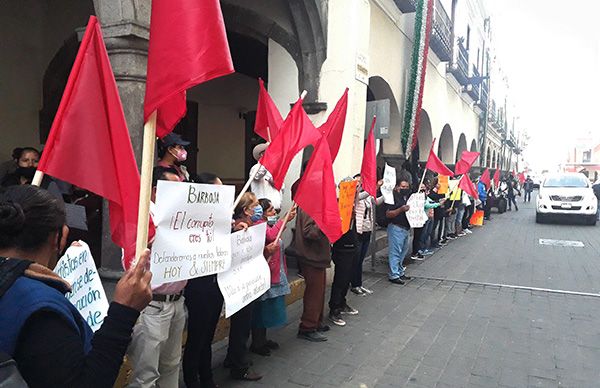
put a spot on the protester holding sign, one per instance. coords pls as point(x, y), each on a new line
point(398, 232)
point(247, 212)
point(204, 302)
point(172, 153)
point(270, 310)
point(50, 341)
point(155, 350)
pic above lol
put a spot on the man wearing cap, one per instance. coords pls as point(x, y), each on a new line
point(172, 154)
point(262, 183)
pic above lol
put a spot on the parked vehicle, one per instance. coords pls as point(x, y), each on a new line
point(566, 194)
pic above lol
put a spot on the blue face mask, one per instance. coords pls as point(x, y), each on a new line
point(258, 214)
point(272, 220)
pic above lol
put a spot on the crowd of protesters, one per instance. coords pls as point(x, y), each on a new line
point(147, 323)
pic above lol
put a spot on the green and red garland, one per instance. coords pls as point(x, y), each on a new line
point(418, 67)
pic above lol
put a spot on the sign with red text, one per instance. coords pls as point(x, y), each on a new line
point(346, 203)
point(78, 268)
point(249, 276)
point(416, 213)
point(193, 229)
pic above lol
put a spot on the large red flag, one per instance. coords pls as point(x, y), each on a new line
point(296, 133)
point(485, 178)
point(497, 176)
point(188, 46)
point(467, 186)
point(466, 161)
point(333, 128)
point(435, 164)
point(521, 178)
point(268, 119)
point(368, 171)
point(89, 144)
point(316, 194)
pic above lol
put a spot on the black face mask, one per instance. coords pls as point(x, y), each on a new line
point(404, 192)
point(26, 172)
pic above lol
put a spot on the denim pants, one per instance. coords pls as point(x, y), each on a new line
point(450, 224)
point(398, 241)
point(460, 212)
point(427, 230)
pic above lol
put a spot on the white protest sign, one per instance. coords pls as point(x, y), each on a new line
point(193, 228)
point(249, 276)
point(416, 214)
point(389, 182)
point(77, 267)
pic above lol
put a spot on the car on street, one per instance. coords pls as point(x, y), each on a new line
point(566, 195)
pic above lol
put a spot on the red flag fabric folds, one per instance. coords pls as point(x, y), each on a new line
point(316, 193)
point(485, 178)
point(466, 161)
point(368, 171)
point(296, 133)
point(467, 186)
point(89, 143)
point(268, 119)
point(333, 128)
point(435, 164)
point(188, 46)
point(521, 178)
point(497, 176)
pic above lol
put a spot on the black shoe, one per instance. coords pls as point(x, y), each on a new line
point(405, 278)
point(396, 281)
point(312, 336)
point(323, 328)
point(336, 318)
point(272, 345)
point(261, 350)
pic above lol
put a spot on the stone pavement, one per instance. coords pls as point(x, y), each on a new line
point(444, 333)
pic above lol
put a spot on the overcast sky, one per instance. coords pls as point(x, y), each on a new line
point(550, 52)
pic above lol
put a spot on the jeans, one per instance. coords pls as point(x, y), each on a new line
point(527, 197)
point(398, 239)
point(511, 200)
point(598, 211)
point(364, 241)
point(460, 212)
point(451, 224)
point(426, 234)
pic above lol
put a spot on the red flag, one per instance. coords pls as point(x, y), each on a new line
point(316, 194)
point(497, 176)
point(485, 178)
point(333, 128)
point(368, 171)
point(467, 186)
point(466, 161)
point(90, 130)
point(296, 133)
point(268, 119)
point(435, 164)
point(521, 177)
point(188, 46)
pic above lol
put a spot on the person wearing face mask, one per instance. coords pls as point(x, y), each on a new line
point(25, 163)
point(247, 213)
point(398, 232)
point(42, 331)
point(437, 229)
point(270, 309)
point(172, 153)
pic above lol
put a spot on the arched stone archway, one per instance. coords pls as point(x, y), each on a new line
point(462, 146)
point(425, 136)
point(380, 89)
point(473, 147)
point(446, 145)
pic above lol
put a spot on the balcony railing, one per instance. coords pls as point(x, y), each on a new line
point(441, 32)
point(492, 109)
point(472, 89)
point(460, 69)
point(406, 6)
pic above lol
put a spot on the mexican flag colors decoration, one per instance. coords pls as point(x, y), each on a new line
point(418, 67)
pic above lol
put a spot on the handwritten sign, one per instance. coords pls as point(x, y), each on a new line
point(77, 267)
point(416, 214)
point(452, 186)
point(193, 228)
point(443, 182)
point(346, 203)
point(389, 182)
point(249, 276)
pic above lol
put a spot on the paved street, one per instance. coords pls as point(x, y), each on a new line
point(459, 332)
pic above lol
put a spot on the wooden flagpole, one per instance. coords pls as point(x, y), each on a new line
point(37, 178)
point(285, 221)
point(149, 145)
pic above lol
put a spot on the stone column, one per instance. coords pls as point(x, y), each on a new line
point(125, 30)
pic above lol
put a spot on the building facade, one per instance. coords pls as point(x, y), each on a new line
point(321, 46)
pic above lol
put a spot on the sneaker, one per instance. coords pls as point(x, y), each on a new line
point(405, 278)
point(396, 281)
point(427, 252)
point(323, 328)
point(347, 310)
point(444, 242)
point(336, 319)
point(272, 345)
point(418, 257)
point(358, 291)
point(451, 237)
point(312, 336)
point(468, 231)
point(461, 234)
point(366, 290)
